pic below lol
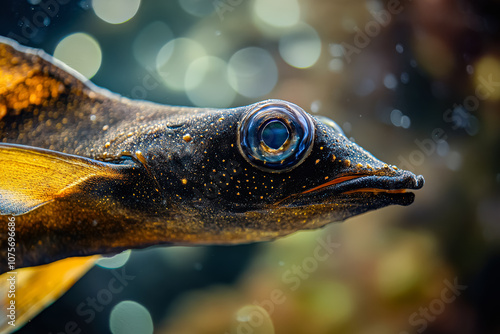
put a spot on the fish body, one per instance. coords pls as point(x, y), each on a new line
point(89, 172)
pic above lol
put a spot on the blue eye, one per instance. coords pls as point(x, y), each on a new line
point(274, 134)
point(276, 137)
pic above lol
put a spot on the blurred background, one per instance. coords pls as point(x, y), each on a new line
point(417, 83)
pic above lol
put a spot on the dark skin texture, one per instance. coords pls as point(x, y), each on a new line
point(181, 176)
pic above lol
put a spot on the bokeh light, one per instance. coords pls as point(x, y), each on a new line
point(174, 59)
point(115, 261)
point(129, 317)
point(183, 257)
point(252, 72)
point(149, 41)
point(81, 52)
point(253, 319)
point(207, 84)
point(198, 8)
point(115, 11)
point(278, 13)
point(487, 70)
point(300, 47)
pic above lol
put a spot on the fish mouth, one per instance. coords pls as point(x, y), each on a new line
point(390, 189)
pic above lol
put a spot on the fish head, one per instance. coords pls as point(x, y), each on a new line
point(272, 162)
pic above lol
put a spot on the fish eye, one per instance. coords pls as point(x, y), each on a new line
point(274, 134)
point(276, 137)
point(328, 122)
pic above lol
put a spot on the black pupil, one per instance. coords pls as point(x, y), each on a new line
point(274, 134)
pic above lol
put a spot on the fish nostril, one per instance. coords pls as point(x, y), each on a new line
point(415, 181)
point(420, 182)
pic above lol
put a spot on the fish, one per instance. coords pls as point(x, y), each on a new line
point(86, 171)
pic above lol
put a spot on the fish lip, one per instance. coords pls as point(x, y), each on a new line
point(402, 181)
point(390, 188)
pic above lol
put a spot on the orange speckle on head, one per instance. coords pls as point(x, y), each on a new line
point(187, 138)
point(334, 157)
point(317, 161)
point(347, 163)
point(184, 181)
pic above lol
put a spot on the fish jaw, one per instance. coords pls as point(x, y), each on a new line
point(360, 190)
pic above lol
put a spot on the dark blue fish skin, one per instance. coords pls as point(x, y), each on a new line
point(184, 178)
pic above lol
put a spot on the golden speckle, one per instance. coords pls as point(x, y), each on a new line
point(386, 166)
point(326, 177)
point(334, 157)
point(359, 165)
point(187, 137)
point(107, 145)
point(369, 166)
point(184, 181)
point(130, 134)
point(104, 128)
point(321, 148)
point(395, 168)
point(317, 161)
point(347, 162)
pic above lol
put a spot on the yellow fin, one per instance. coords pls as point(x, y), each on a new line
point(31, 177)
point(38, 287)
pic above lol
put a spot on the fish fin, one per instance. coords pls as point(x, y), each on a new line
point(31, 177)
point(32, 78)
point(38, 287)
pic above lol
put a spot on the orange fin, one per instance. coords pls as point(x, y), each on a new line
point(31, 177)
point(30, 77)
point(38, 287)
